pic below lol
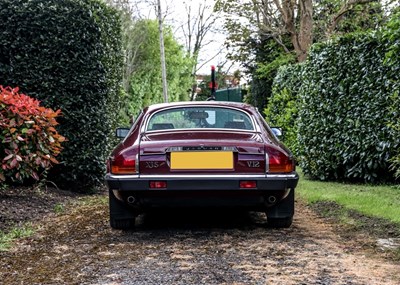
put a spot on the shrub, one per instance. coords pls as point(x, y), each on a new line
point(263, 77)
point(282, 109)
point(29, 141)
point(392, 36)
point(345, 112)
point(68, 55)
point(347, 109)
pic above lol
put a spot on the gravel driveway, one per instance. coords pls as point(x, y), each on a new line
point(79, 247)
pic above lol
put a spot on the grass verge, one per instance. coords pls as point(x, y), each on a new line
point(381, 201)
point(369, 210)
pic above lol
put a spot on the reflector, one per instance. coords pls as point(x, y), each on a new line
point(158, 184)
point(248, 184)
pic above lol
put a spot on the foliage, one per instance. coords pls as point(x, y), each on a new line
point(282, 110)
point(260, 40)
point(269, 57)
point(146, 83)
point(293, 26)
point(360, 18)
point(345, 112)
point(68, 55)
point(261, 86)
point(394, 109)
point(392, 35)
point(6, 239)
point(29, 141)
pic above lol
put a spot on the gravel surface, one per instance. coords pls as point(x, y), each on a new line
point(225, 247)
point(19, 205)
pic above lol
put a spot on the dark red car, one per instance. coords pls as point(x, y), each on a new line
point(200, 154)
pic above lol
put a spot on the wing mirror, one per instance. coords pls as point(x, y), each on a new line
point(121, 133)
point(277, 132)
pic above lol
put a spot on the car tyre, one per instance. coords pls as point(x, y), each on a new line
point(280, 222)
point(281, 215)
point(121, 217)
point(122, 224)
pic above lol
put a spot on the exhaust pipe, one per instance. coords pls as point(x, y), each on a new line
point(131, 200)
point(272, 199)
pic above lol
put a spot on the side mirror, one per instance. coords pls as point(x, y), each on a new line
point(121, 133)
point(277, 132)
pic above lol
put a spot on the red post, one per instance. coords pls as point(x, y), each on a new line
point(213, 83)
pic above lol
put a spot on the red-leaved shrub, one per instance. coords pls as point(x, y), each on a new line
point(29, 141)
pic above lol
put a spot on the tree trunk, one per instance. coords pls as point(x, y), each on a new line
point(300, 12)
point(305, 33)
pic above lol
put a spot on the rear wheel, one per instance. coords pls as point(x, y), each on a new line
point(280, 222)
point(281, 215)
point(122, 224)
point(121, 217)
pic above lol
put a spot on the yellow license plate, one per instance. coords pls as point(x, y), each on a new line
point(187, 160)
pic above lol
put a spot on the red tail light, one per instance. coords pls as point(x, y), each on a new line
point(122, 165)
point(279, 162)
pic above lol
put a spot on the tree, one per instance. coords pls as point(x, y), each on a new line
point(199, 22)
point(264, 35)
point(132, 39)
point(278, 19)
point(145, 83)
point(142, 69)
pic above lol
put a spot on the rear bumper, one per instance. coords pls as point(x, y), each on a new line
point(201, 190)
point(201, 182)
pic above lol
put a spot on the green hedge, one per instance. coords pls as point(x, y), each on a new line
point(68, 55)
point(345, 111)
point(392, 36)
point(344, 105)
point(282, 110)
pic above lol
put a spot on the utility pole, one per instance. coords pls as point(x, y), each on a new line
point(162, 54)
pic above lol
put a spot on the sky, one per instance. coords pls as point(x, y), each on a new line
point(174, 13)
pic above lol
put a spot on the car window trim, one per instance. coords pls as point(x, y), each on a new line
point(248, 114)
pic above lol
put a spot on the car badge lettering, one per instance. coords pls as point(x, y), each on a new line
point(152, 164)
point(253, 164)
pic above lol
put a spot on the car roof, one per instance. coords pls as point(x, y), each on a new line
point(161, 106)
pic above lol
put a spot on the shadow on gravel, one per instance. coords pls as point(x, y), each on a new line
point(200, 220)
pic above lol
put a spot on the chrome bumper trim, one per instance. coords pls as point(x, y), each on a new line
point(211, 176)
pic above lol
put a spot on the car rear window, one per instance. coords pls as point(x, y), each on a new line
point(200, 117)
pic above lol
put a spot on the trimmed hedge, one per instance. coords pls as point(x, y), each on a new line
point(282, 110)
point(345, 112)
point(344, 103)
point(68, 55)
point(392, 36)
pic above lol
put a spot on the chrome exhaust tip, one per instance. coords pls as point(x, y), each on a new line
point(131, 200)
point(271, 199)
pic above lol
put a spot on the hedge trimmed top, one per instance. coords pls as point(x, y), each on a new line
point(68, 55)
point(344, 105)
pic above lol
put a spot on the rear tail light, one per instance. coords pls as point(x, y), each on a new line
point(123, 165)
point(278, 162)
